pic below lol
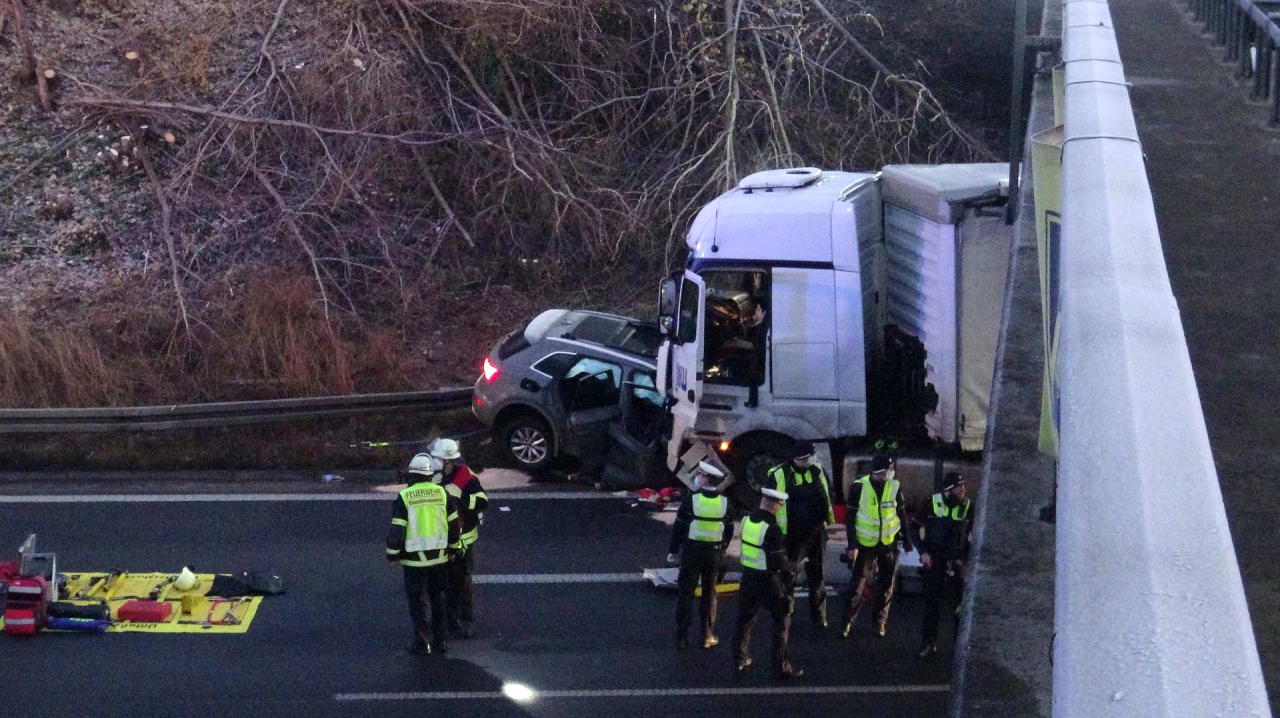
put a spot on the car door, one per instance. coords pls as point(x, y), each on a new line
point(592, 394)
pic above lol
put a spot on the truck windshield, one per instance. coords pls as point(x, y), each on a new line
point(737, 333)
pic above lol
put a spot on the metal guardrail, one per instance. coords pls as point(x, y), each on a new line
point(192, 416)
point(1250, 32)
point(1150, 613)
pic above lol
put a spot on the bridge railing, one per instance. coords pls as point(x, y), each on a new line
point(1150, 613)
point(1249, 31)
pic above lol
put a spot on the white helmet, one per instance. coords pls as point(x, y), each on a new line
point(445, 449)
point(426, 465)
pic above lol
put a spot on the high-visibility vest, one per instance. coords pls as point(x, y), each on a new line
point(959, 512)
point(708, 522)
point(753, 544)
point(473, 533)
point(779, 476)
point(877, 519)
point(427, 527)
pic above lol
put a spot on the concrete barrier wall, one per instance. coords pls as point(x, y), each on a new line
point(1150, 612)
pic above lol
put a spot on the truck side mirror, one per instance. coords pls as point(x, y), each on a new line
point(667, 299)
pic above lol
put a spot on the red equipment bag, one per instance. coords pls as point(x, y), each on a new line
point(27, 589)
point(20, 621)
point(145, 611)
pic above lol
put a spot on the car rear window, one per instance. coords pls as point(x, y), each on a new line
point(515, 342)
point(554, 365)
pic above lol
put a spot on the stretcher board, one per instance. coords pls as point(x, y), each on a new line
point(666, 578)
point(210, 615)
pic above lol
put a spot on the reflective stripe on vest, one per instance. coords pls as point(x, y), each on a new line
point(708, 523)
point(877, 519)
point(753, 544)
point(959, 512)
point(779, 476)
point(428, 528)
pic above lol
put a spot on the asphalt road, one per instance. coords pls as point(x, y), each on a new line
point(333, 645)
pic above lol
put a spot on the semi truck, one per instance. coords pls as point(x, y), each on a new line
point(839, 307)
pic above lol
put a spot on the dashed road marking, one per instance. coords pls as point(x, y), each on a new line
point(496, 578)
point(652, 692)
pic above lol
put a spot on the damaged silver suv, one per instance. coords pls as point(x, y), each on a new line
point(577, 386)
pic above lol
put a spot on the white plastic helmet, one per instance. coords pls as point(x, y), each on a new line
point(445, 449)
point(426, 465)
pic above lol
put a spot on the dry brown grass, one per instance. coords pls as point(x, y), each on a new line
point(271, 341)
point(58, 367)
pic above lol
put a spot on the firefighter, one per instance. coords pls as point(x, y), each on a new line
point(702, 528)
point(766, 575)
point(943, 551)
point(808, 513)
point(464, 486)
point(423, 537)
point(874, 522)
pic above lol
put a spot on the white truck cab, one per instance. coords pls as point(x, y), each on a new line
point(808, 295)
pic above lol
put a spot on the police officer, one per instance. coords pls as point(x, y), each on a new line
point(701, 530)
point(464, 486)
point(422, 538)
point(874, 523)
point(805, 519)
point(765, 578)
point(943, 551)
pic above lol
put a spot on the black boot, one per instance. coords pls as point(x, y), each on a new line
point(786, 671)
point(819, 615)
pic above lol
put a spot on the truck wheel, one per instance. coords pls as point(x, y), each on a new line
point(528, 442)
point(754, 457)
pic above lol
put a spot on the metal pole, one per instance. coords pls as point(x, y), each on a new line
point(1017, 126)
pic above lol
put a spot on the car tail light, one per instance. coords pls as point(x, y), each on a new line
point(490, 371)
point(724, 446)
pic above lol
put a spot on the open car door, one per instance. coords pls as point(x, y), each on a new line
point(685, 353)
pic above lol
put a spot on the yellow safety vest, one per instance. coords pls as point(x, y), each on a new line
point(427, 525)
point(472, 533)
point(753, 544)
point(708, 522)
point(779, 476)
point(959, 512)
point(877, 519)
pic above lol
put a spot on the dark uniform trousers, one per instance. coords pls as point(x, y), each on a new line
point(460, 587)
point(763, 589)
point(875, 571)
point(699, 564)
point(939, 588)
point(426, 586)
point(810, 543)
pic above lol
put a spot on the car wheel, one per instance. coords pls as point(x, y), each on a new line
point(528, 441)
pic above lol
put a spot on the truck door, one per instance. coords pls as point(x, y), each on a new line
point(686, 354)
point(805, 363)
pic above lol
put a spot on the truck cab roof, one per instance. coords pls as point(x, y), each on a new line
point(781, 214)
point(768, 211)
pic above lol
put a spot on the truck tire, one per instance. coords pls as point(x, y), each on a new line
point(527, 439)
point(752, 459)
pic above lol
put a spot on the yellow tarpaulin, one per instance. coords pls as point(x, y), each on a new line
point(194, 611)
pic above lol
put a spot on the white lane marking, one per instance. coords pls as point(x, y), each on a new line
point(653, 692)
point(195, 498)
point(559, 578)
